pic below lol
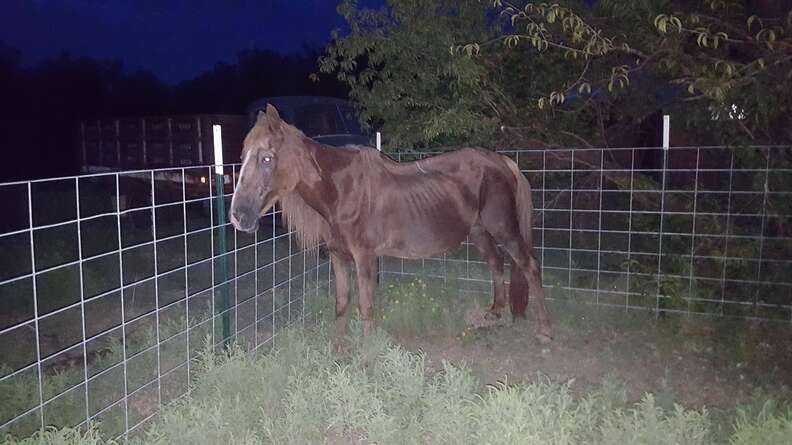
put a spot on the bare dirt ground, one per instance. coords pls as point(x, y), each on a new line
point(691, 360)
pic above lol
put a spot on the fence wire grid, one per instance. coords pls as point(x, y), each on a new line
point(703, 230)
point(111, 284)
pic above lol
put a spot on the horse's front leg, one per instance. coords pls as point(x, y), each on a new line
point(365, 264)
point(341, 269)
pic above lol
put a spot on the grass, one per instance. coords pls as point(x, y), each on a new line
point(375, 391)
point(416, 308)
point(419, 308)
point(63, 436)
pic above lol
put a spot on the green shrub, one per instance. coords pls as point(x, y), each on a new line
point(303, 391)
point(648, 423)
point(771, 425)
point(63, 436)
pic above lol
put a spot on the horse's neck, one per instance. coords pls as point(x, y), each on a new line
point(316, 184)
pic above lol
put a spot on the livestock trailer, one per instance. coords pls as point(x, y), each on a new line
point(158, 142)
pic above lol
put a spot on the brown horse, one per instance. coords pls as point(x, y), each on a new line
point(362, 205)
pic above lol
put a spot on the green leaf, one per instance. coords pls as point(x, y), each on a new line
point(677, 23)
point(658, 19)
point(661, 22)
point(753, 19)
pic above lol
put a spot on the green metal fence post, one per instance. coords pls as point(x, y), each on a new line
point(221, 221)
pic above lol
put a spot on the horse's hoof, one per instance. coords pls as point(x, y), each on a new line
point(543, 339)
point(340, 346)
point(368, 328)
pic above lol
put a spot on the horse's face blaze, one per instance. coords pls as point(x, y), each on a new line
point(257, 188)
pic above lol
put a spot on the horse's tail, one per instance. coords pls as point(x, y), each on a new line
point(518, 288)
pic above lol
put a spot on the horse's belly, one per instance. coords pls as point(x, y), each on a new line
point(421, 241)
point(423, 218)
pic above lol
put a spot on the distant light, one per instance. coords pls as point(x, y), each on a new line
point(203, 179)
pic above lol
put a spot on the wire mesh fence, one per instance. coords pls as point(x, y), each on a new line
point(690, 229)
point(112, 284)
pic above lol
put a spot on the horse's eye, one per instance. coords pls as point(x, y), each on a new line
point(267, 159)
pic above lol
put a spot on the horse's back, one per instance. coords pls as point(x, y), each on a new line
point(420, 208)
point(449, 163)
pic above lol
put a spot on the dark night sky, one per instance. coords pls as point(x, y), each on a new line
point(176, 39)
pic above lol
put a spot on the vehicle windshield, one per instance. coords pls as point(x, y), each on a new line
point(326, 119)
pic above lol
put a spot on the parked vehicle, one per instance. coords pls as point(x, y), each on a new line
point(327, 120)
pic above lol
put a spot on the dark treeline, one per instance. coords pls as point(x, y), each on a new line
point(42, 105)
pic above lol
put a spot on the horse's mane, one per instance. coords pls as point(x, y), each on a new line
point(303, 220)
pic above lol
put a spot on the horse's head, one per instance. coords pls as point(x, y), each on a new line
point(268, 169)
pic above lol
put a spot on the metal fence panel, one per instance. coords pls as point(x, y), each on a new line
point(691, 229)
point(111, 283)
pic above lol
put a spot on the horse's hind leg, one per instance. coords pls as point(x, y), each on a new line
point(523, 260)
point(489, 250)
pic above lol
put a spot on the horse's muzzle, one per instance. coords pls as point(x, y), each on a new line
point(243, 221)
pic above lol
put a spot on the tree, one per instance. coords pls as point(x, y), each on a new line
point(568, 73)
point(731, 60)
point(413, 80)
point(400, 70)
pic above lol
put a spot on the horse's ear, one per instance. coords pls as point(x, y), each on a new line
point(272, 113)
point(260, 115)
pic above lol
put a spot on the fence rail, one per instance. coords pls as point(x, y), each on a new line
point(689, 229)
point(110, 283)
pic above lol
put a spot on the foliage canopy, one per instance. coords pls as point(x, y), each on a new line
point(499, 72)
